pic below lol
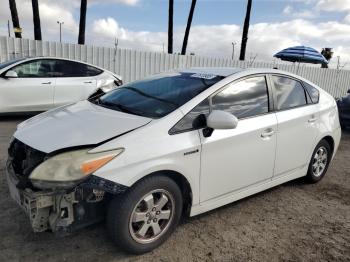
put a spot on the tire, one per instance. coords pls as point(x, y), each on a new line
point(319, 162)
point(143, 236)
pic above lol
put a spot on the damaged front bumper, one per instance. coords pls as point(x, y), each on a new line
point(63, 210)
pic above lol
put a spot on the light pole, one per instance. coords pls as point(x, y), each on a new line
point(60, 23)
point(8, 27)
point(233, 50)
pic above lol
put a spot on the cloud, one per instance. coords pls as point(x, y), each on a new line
point(50, 12)
point(124, 2)
point(333, 5)
point(265, 39)
point(290, 11)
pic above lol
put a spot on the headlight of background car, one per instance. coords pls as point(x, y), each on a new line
point(67, 169)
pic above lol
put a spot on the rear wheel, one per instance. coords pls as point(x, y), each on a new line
point(319, 162)
point(145, 216)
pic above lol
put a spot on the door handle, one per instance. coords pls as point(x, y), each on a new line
point(46, 83)
point(311, 120)
point(87, 82)
point(267, 133)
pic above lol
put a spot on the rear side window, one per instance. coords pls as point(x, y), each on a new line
point(289, 93)
point(243, 99)
point(66, 68)
point(313, 93)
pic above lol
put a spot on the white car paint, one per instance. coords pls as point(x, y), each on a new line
point(261, 152)
point(31, 94)
point(76, 124)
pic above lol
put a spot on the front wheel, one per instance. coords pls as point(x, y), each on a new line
point(145, 216)
point(319, 162)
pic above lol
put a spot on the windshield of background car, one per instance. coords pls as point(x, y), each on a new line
point(159, 95)
point(8, 63)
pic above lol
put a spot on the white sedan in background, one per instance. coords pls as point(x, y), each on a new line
point(41, 83)
point(186, 141)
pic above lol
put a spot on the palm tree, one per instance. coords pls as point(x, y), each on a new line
point(81, 37)
point(170, 26)
point(188, 27)
point(328, 54)
point(15, 20)
point(245, 31)
point(36, 20)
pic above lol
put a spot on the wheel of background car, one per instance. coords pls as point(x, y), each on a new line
point(319, 162)
point(145, 216)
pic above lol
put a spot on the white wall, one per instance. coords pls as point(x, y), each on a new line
point(132, 64)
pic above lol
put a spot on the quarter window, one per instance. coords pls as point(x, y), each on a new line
point(313, 93)
point(289, 93)
point(243, 99)
point(195, 119)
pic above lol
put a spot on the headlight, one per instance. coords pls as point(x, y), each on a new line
point(67, 169)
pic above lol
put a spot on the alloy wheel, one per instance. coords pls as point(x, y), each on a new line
point(151, 216)
point(319, 161)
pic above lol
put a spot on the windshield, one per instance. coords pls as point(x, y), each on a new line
point(8, 63)
point(159, 95)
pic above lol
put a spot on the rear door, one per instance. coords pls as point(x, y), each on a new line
point(297, 125)
point(32, 90)
point(75, 81)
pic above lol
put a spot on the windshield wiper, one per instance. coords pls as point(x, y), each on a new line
point(150, 96)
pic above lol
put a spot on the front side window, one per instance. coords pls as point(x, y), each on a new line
point(243, 99)
point(36, 68)
point(290, 93)
point(159, 95)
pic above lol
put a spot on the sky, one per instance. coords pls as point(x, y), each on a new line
point(142, 25)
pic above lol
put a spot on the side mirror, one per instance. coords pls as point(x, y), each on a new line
point(348, 91)
point(11, 74)
point(218, 119)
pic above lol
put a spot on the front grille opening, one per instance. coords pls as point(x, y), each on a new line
point(24, 158)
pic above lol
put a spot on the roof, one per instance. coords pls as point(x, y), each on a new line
point(220, 71)
point(227, 71)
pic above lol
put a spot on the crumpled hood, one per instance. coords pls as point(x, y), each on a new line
point(77, 124)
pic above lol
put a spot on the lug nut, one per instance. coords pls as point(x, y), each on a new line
point(158, 212)
point(148, 221)
point(147, 215)
point(154, 209)
point(155, 220)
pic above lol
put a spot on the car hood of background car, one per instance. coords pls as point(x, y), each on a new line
point(78, 124)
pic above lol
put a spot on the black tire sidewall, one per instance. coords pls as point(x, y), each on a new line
point(310, 176)
point(120, 210)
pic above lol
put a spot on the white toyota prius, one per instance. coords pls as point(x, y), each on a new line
point(178, 143)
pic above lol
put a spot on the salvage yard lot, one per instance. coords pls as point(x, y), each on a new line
point(293, 222)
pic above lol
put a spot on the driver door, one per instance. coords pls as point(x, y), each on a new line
point(32, 89)
point(235, 159)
